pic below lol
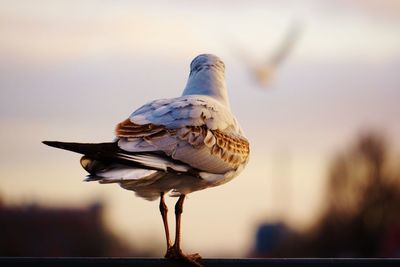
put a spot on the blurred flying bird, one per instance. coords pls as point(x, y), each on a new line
point(178, 145)
point(263, 70)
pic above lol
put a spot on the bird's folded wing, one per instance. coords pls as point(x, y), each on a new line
point(99, 156)
point(195, 130)
point(185, 111)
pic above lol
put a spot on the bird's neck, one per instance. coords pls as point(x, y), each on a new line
point(210, 83)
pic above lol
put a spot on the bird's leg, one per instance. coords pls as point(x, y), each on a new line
point(164, 212)
point(175, 252)
point(178, 213)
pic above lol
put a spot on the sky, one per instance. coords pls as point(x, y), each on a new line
point(72, 70)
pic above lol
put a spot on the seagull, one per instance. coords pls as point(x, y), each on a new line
point(176, 146)
point(263, 71)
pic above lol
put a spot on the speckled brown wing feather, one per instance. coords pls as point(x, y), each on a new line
point(129, 129)
point(231, 149)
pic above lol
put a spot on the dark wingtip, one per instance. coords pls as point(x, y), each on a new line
point(51, 143)
point(83, 148)
point(57, 144)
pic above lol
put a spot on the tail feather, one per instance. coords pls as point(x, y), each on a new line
point(91, 178)
point(99, 155)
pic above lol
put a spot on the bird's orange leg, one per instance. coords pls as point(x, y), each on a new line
point(164, 212)
point(175, 251)
point(178, 213)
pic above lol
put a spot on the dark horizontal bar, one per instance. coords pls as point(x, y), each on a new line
point(119, 262)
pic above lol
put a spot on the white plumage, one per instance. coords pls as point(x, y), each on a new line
point(198, 130)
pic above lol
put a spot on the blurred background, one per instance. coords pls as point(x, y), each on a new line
point(314, 83)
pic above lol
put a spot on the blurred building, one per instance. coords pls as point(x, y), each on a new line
point(38, 231)
point(270, 237)
point(362, 217)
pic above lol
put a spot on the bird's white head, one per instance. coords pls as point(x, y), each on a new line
point(207, 77)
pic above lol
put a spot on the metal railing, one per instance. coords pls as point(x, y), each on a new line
point(146, 262)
